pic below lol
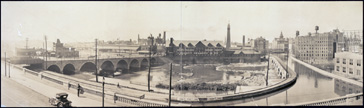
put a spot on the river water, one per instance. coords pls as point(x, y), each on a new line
point(310, 86)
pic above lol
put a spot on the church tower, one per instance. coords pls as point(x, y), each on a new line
point(228, 37)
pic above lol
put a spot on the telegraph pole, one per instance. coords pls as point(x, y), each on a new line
point(5, 63)
point(45, 39)
point(266, 79)
point(103, 91)
point(150, 57)
point(96, 60)
point(287, 62)
point(9, 68)
point(170, 86)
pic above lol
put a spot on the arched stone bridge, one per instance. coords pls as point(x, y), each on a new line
point(70, 67)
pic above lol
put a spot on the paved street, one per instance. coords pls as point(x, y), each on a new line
point(14, 94)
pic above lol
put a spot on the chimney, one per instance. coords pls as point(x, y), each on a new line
point(243, 40)
point(297, 33)
point(170, 43)
point(164, 37)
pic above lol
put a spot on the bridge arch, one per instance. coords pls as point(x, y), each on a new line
point(134, 65)
point(88, 67)
point(153, 61)
point(122, 66)
point(69, 69)
point(54, 68)
point(144, 64)
point(107, 68)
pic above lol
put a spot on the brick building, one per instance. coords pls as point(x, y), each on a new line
point(318, 48)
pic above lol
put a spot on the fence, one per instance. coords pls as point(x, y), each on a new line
point(344, 100)
point(138, 101)
point(52, 79)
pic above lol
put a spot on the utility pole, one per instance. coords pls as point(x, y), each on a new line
point(96, 61)
point(103, 89)
point(287, 63)
point(5, 63)
point(9, 68)
point(150, 57)
point(45, 39)
point(266, 79)
point(170, 86)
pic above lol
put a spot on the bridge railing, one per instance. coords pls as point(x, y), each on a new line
point(25, 70)
point(52, 79)
point(344, 100)
point(138, 101)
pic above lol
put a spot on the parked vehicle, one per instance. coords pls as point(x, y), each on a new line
point(60, 100)
point(117, 73)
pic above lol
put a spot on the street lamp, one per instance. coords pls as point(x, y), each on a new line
point(103, 93)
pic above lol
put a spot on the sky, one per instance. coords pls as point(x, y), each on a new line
point(80, 21)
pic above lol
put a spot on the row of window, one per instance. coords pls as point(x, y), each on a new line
point(350, 70)
point(358, 62)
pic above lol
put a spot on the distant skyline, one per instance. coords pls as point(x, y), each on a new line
point(84, 21)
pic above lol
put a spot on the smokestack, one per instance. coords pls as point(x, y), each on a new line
point(170, 43)
point(243, 40)
point(164, 37)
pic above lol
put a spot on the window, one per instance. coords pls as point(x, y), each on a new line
point(344, 69)
point(350, 70)
point(338, 60)
point(338, 68)
point(344, 61)
point(358, 63)
point(351, 62)
point(358, 72)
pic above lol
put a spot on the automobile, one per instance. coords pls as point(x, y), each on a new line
point(60, 100)
point(117, 73)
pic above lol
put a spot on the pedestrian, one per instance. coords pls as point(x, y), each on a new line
point(69, 85)
point(78, 90)
point(118, 85)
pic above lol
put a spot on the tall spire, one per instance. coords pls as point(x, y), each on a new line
point(281, 36)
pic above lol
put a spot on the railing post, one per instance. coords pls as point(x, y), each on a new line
point(115, 97)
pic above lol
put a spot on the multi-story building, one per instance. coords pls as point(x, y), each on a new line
point(158, 41)
point(349, 64)
point(261, 45)
point(317, 48)
point(280, 44)
point(61, 51)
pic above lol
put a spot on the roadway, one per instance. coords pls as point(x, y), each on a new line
point(14, 94)
point(44, 90)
